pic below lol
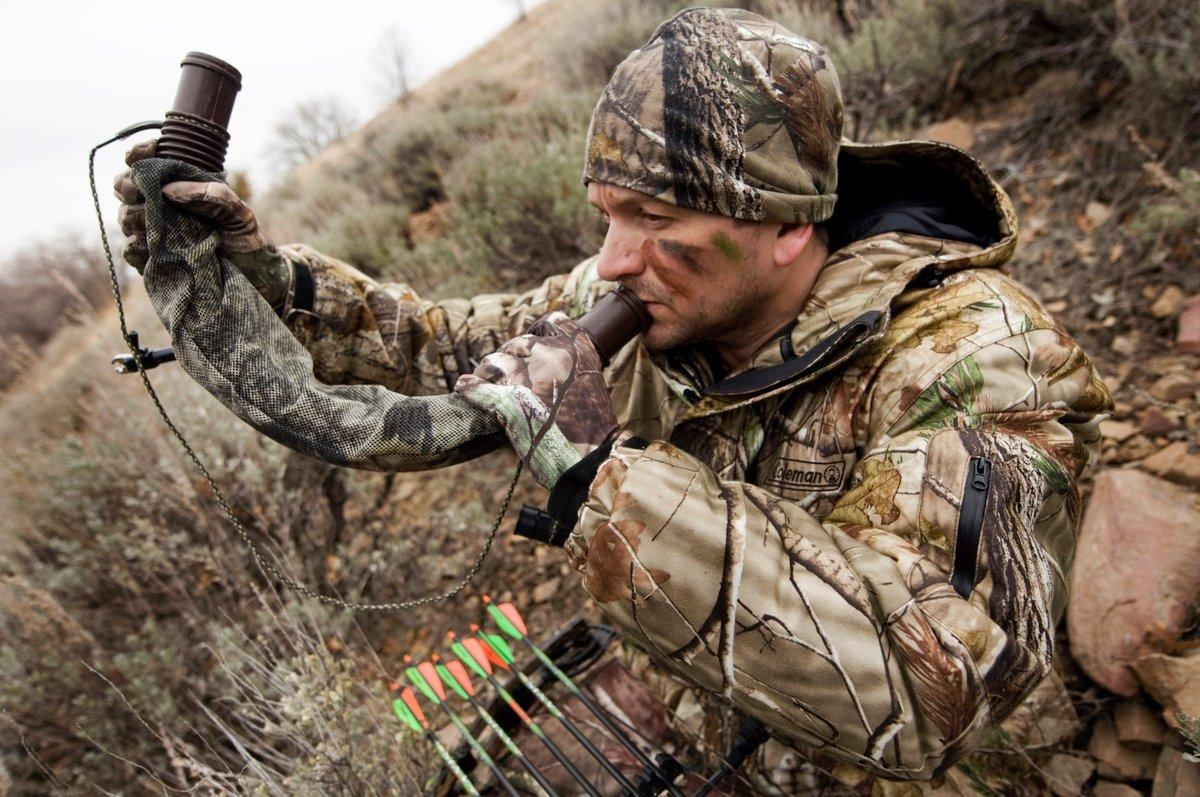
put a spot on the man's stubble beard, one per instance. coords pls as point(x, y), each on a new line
point(716, 320)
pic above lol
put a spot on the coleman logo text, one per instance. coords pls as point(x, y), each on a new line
point(807, 475)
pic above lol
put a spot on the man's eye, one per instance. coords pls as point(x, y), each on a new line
point(603, 216)
point(652, 217)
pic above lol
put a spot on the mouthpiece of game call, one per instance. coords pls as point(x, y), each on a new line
point(616, 319)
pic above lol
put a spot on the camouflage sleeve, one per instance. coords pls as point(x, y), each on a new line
point(847, 635)
point(360, 331)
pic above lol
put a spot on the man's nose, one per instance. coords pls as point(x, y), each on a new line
point(621, 254)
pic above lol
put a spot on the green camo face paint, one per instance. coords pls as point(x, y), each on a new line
point(729, 248)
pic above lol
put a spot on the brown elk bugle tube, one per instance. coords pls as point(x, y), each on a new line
point(616, 319)
point(195, 130)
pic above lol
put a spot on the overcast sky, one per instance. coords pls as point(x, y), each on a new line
point(73, 73)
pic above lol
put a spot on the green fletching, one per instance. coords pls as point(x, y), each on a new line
point(498, 617)
point(499, 645)
point(466, 658)
point(405, 715)
point(419, 681)
point(452, 682)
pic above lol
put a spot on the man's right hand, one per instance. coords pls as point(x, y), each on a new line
point(242, 242)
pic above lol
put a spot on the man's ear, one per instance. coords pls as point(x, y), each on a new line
point(791, 241)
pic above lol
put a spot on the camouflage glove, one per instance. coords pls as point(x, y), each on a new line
point(242, 242)
point(547, 390)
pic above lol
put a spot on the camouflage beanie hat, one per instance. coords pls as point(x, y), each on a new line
point(726, 112)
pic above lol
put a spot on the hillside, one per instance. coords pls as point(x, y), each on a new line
point(141, 652)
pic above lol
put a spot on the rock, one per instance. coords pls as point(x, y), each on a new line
point(1188, 338)
point(1106, 788)
point(1124, 345)
point(1066, 774)
point(1168, 303)
point(1119, 761)
point(1173, 681)
point(1136, 447)
point(1173, 387)
point(546, 590)
point(955, 132)
point(1135, 525)
point(1154, 421)
point(1138, 725)
point(1176, 464)
point(1117, 430)
point(1175, 776)
point(1097, 213)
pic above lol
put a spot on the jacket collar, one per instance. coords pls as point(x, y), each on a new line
point(850, 304)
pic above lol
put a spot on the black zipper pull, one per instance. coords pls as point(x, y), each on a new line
point(982, 473)
point(970, 525)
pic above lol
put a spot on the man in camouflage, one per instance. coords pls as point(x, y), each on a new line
point(843, 493)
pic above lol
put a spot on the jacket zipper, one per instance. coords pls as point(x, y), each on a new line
point(970, 524)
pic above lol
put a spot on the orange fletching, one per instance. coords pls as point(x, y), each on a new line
point(492, 655)
point(514, 617)
point(459, 672)
point(410, 700)
point(431, 677)
point(475, 648)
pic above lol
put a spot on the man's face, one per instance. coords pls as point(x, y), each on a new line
point(701, 275)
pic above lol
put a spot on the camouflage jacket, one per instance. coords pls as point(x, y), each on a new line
point(862, 538)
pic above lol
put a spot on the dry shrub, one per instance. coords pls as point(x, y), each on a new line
point(44, 287)
point(300, 209)
point(372, 237)
point(131, 619)
point(519, 214)
point(600, 35)
point(140, 649)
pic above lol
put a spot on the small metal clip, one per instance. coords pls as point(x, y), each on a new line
point(151, 358)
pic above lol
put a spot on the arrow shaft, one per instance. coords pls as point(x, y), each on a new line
point(599, 713)
point(603, 760)
point(453, 766)
point(504, 782)
point(512, 747)
point(537, 731)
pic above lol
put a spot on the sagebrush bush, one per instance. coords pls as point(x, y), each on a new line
point(121, 584)
point(372, 237)
point(411, 160)
point(1172, 216)
point(602, 34)
point(141, 649)
point(300, 209)
point(44, 287)
point(524, 205)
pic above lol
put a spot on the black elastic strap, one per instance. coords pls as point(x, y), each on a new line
point(571, 489)
point(305, 288)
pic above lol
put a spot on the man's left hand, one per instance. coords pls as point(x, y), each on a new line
point(547, 389)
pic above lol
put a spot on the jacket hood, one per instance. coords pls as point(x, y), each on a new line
point(908, 214)
point(922, 188)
